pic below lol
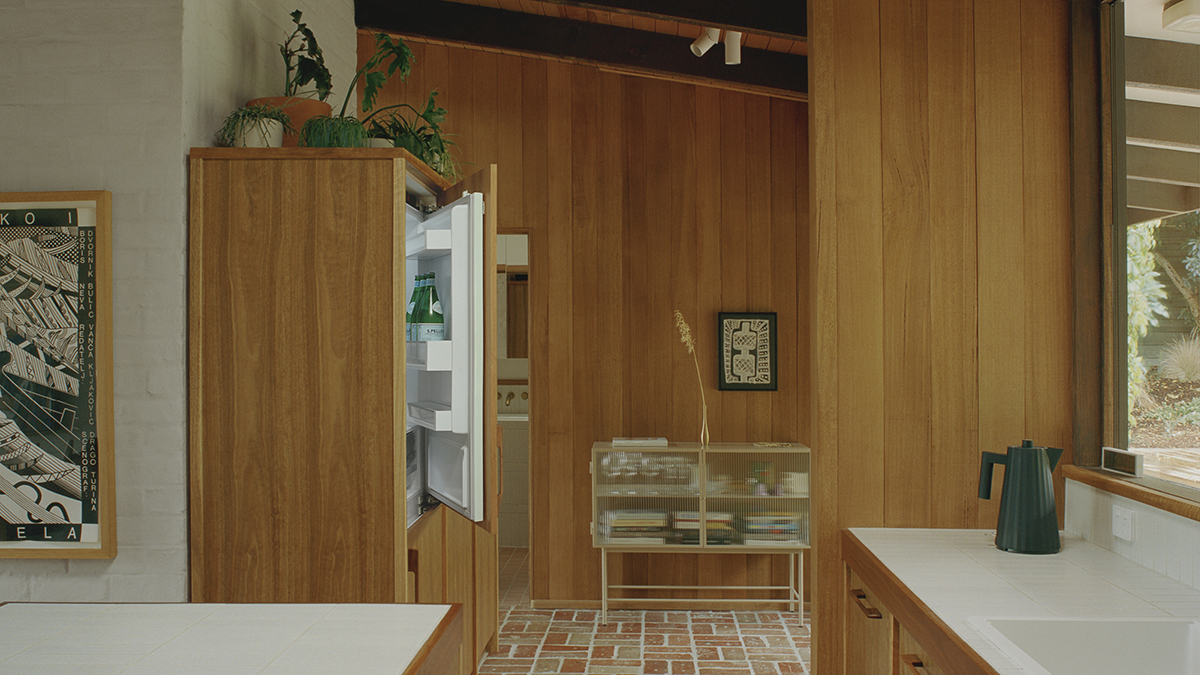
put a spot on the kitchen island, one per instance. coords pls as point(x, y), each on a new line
point(179, 638)
point(936, 587)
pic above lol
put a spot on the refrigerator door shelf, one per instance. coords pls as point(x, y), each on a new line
point(432, 416)
point(427, 244)
point(430, 356)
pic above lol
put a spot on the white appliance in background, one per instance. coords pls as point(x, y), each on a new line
point(445, 378)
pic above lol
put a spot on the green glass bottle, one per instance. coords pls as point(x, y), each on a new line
point(410, 328)
point(431, 322)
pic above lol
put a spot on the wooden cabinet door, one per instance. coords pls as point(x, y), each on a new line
point(295, 388)
point(868, 631)
point(426, 559)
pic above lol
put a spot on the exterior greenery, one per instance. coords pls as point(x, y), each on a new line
point(1145, 302)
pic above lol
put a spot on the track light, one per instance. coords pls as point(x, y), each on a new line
point(733, 48)
point(707, 39)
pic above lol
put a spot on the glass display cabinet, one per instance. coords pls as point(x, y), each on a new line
point(680, 497)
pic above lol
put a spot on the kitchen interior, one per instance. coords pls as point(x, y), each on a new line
point(924, 221)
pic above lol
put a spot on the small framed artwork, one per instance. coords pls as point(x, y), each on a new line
point(747, 351)
point(56, 406)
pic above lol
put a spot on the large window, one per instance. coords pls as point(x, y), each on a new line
point(1161, 213)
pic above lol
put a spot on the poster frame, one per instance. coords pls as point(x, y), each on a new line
point(105, 478)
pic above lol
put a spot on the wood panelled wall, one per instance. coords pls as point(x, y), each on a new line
point(640, 197)
point(941, 254)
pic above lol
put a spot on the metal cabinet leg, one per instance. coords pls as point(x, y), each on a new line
point(604, 587)
point(800, 586)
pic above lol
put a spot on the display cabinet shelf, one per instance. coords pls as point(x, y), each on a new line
point(723, 498)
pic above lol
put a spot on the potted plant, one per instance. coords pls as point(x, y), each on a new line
point(304, 65)
point(422, 135)
point(342, 131)
point(256, 126)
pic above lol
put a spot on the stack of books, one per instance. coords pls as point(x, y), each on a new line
point(718, 527)
point(770, 528)
point(634, 526)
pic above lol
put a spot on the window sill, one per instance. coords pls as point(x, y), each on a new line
point(1137, 489)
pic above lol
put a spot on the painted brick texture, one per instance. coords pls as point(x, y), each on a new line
point(110, 95)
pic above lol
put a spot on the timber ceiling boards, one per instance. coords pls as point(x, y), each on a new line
point(618, 35)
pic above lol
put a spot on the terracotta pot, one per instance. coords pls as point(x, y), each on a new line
point(298, 109)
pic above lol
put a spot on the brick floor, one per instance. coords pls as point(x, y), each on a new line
point(560, 641)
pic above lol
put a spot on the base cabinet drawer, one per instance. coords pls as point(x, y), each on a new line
point(911, 658)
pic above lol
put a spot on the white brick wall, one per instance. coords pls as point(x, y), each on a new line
point(231, 54)
point(110, 95)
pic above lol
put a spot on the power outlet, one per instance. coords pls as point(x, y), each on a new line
point(1122, 523)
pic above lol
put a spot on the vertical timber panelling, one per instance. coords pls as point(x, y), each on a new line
point(559, 460)
point(954, 426)
point(1048, 249)
point(859, 272)
point(1001, 237)
point(940, 129)
point(908, 369)
point(640, 197)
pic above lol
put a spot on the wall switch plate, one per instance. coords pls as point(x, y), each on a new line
point(1122, 523)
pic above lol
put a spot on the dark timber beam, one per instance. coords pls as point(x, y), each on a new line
point(621, 49)
point(779, 18)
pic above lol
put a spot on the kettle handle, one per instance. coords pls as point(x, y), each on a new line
point(990, 459)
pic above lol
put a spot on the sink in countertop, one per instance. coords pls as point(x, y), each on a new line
point(1097, 646)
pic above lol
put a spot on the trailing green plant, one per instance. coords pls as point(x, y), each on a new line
point(251, 119)
point(304, 63)
point(421, 135)
point(1144, 303)
point(1181, 360)
point(391, 56)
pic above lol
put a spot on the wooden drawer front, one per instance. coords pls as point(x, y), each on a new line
point(911, 657)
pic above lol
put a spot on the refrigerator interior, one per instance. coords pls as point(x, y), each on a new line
point(444, 387)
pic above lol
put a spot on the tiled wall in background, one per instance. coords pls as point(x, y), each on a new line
point(514, 502)
point(1162, 541)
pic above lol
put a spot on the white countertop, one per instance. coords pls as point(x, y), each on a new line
point(186, 638)
point(960, 574)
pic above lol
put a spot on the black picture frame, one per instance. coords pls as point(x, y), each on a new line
point(760, 345)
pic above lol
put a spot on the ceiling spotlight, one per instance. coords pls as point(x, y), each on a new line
point(707, 39)
point(733, 48)
point(1183, 16)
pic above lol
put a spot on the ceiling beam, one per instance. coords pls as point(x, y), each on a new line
point(786, 19)
point(621, 49)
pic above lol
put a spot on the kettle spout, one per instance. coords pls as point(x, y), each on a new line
point(1054, 454)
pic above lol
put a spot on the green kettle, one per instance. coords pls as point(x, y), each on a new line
point(1028, 519)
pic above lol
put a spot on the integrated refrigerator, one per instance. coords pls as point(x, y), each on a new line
point(445, 384)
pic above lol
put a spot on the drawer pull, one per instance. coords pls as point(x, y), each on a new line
point(860, 597)
point(914, 663)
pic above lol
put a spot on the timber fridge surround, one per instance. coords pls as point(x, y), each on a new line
point(300, 375)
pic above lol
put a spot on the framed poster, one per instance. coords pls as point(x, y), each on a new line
point(747, 351)
point(56, 407)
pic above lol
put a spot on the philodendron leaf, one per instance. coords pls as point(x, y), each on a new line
point(372, 83)
point(399, 53)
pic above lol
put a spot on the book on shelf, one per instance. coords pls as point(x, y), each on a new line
point(639, 442)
